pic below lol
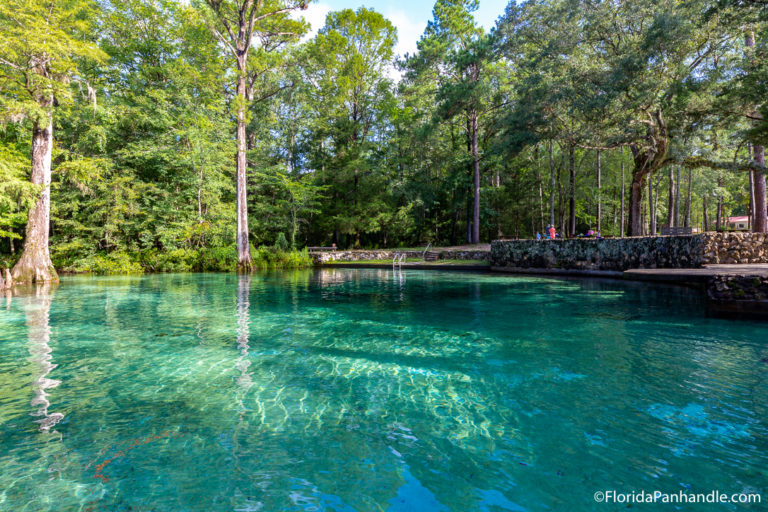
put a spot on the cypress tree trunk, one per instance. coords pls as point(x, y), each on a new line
point(244, 262)
point(35, 265)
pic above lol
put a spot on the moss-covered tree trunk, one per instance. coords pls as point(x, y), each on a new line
point(35, 264)
point(647, 158)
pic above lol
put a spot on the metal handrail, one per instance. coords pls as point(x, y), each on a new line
point(424, 254)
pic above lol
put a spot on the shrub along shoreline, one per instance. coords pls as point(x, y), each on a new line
point(206, 259)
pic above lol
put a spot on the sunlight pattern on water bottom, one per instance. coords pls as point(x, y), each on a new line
point(366, 390)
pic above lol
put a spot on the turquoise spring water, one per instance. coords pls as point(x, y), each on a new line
point(368, 390)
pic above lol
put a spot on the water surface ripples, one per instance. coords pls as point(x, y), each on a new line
point(369, 390)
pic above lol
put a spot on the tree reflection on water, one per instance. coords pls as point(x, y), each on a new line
point(38, 306)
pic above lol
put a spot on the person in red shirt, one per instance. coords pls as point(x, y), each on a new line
point(552, 232)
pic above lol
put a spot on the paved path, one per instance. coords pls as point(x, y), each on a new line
point(696, 275)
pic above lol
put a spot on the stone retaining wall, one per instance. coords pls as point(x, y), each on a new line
point(387, 255)
point(464, 255)
point(738, 295)
point(619, 254)
point(731, 248)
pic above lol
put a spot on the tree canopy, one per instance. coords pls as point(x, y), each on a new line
point(217, 126)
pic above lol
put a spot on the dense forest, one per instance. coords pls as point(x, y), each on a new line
point(170, 135)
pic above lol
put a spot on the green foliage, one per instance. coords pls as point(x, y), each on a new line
point(209, 259)
point(42, 47)
point(16, 192)
point(272, 258)
point(339, 151)
point(116, 263)
point(281, 244)
point(217, 259)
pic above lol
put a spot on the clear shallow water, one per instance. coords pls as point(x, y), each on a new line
point(366, 390)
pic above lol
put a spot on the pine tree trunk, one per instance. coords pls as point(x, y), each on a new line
point(623, 193)
point(541, 203)
point(469, 222)
point(244, 262)
point(719, 218)
point(751, 216)
point(689, 199)
point(572, 191)
point(760, 221)
point(540, 181)
point(455, 222)
point(35, 264)
point(552, 185)
point(677, 198)
point(651, 210)
point(671, 202)
point(599, 195)
point(476, 169)
point(704, 212)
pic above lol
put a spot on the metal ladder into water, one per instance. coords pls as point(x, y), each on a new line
point(398, 259)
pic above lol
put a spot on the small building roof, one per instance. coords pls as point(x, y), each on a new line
point(734, 220)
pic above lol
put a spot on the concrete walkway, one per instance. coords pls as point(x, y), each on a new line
point(696, 275)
